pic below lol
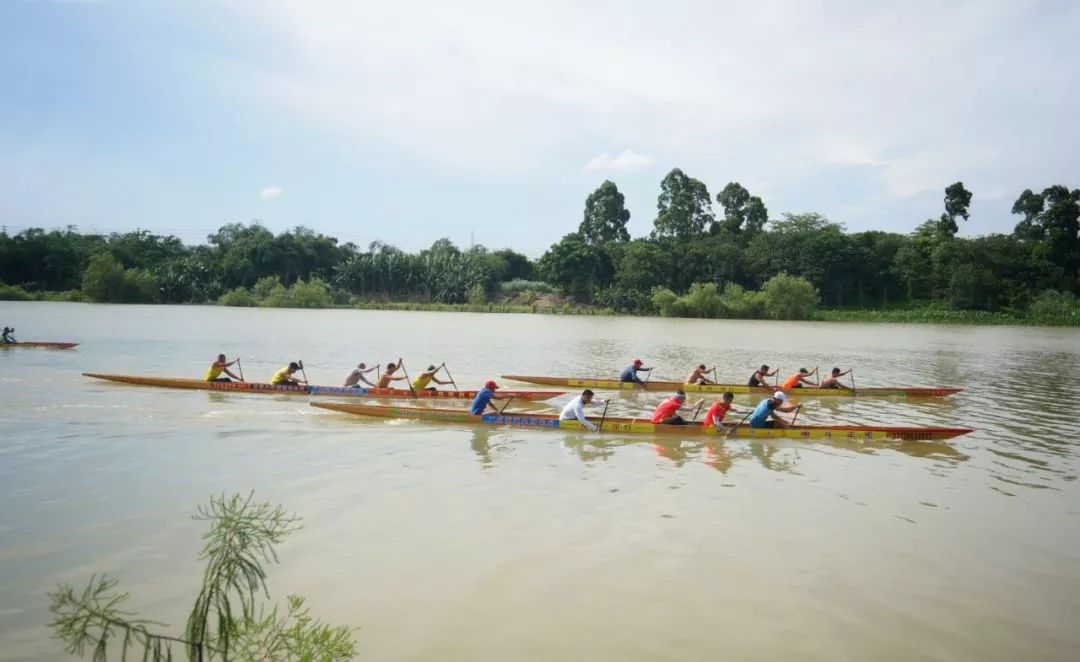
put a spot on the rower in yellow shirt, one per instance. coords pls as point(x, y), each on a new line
point(424, 379)
point(213, 373)
point(284, 377)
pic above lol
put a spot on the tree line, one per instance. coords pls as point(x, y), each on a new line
point(731, 260)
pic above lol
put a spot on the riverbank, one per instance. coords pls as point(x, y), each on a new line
point(555, 306)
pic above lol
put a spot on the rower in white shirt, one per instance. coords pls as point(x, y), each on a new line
point(575, 409)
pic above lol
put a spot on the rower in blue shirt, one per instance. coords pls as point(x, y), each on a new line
point(765, 416)
point(630, 374)
point(483, 399)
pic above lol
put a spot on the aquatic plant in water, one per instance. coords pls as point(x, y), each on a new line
point(227, 621)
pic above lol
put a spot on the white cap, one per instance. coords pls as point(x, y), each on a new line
point(779, 395)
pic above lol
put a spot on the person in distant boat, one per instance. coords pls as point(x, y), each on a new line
point(482, 402)
point(667, 412)
point(719, 409)
point(357, 375)
point(8, 336)
point(388, 376)
point(697, 375)
point(575, 409)
point(765, 415)
point(423, 380)
point(798, 379)
point(758, 378)
point(630, 374)
point(285, 376)
point(221, 365)
point(833, 380)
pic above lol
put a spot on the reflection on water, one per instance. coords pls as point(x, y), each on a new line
point(463, 543)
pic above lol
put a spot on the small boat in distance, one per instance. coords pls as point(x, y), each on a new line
point(38, 344)
point(343, 391)
point(643, 426)
point(616, 385)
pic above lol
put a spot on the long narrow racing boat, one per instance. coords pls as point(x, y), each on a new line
point(38, 344)
point(643, 426)
point(616, 385)
point(349, 392)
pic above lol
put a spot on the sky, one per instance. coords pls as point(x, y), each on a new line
point(491, 122)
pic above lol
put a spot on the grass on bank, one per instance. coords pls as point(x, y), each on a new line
point(783, 300)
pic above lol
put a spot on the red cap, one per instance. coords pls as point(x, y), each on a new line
point(637, 361)
point(491, 385)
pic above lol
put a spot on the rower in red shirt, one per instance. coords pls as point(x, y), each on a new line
point(719, 409)
point(667, 412)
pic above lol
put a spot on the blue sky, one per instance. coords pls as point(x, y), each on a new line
point(410, 121)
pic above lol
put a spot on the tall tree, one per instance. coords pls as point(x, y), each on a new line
point(957, 200)
point(684, 208)
point(605, 217)
point(743, 212)
point(1052, 218)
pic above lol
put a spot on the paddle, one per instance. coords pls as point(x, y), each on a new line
point(714, 374)
point(509, 400)
point(449, 376)
point(401, 364)
point(698, 410)
point(796, 416)
point(240, 367)
point(732, 430)
point(647, 378)
point(600, 428)
point(777, 374)
point(301, 364)
point(852, 373)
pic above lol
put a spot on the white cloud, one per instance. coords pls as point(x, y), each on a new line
point(271, 192)
point(626, 160)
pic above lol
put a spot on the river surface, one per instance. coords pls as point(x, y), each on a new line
point(458, 543)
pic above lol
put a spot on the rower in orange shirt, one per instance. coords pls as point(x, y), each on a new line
point(798, 379)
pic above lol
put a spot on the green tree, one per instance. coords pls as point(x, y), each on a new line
point(684, 208)
point(605, 216)
point(957, 200)
point(1052, 220)
point(103, 280)
point(789, 297)
point(576, 266)
point(743, 213)
point(226, 621)
point(643, 265)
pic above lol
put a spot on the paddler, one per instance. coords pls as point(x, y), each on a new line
point(719, 409)
point(697, 375)
point(484, 396)
point(221, 365)
point(758, 378)
point(798, 379)
point(284, 377)
point(357, 375)
point(833, 380)
point(765, 415)
point(575, 409)
point(388, 376)
point(630, 374)
point(667, 412)
point(424, 379)
point(8, 335)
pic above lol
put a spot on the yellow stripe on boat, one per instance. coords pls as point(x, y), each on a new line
point(644, 426)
